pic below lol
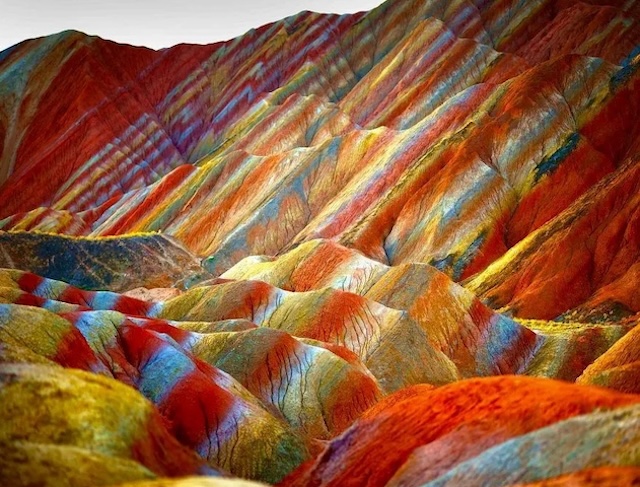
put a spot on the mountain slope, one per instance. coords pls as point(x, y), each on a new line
point(364, 249)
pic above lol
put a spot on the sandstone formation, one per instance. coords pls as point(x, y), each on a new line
point(398, 247)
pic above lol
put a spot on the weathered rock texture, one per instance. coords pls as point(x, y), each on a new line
point(369, 249)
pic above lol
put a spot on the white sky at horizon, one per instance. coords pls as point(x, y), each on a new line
point(157, 23)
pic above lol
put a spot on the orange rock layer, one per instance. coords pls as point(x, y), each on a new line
point(392, 248)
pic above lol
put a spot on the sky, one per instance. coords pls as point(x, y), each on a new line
point(154, 23)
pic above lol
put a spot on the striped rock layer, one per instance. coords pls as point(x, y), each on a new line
point(398, 247)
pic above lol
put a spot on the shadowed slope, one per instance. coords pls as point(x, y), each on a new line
point(117, 264)
point(618, 367)
point(568, 348)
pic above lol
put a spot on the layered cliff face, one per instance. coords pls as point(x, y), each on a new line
point(399, 247)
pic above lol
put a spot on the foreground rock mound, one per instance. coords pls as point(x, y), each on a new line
point(425, 423)
point(115, 434)
point(371, 249)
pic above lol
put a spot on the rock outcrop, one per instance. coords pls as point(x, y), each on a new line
point(398, 247)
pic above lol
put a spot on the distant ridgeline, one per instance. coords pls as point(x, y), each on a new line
point(338, 250)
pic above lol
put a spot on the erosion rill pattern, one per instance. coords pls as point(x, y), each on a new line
point(399, 247)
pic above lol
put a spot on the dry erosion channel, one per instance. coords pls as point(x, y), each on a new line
point(391, 248)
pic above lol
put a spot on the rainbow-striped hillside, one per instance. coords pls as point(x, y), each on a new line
point(391, 248)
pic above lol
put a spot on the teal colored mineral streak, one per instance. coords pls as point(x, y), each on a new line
point(457, 264)
point(461, 263)
point(443, 264)
point(629, 66)
point(551, 163)
point(5, 54)
point(628, 61)
point(208, 263)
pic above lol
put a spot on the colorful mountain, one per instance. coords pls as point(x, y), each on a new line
point(391, 248)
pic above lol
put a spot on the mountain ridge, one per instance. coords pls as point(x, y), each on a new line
point(357, 249)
